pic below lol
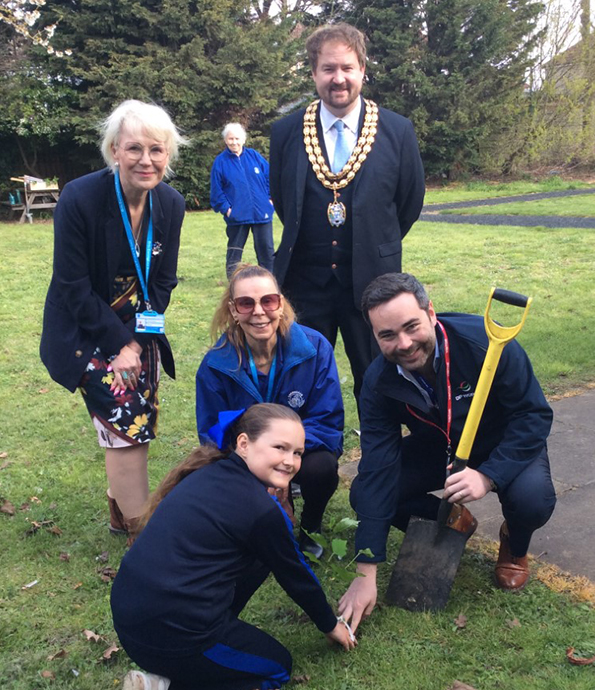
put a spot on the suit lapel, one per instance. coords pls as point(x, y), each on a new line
point(302, 165)
point(114, 232)
point(361, 173)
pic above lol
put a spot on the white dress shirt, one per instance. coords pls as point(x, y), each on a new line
point(351, 121)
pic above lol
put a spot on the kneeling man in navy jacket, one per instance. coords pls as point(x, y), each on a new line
point(426, 360)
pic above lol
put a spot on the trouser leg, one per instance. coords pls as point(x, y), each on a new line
point(528, 503)
point(236, 239)
point(318, 479)
point(241, 657)
point(263, 244)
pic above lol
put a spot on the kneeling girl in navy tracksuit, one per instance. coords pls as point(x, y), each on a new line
point(213, 535)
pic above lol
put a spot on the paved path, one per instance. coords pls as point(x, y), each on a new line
point(568, 539)
point(431, 213)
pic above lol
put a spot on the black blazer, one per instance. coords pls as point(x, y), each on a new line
point(388, 193)
point(88, 235)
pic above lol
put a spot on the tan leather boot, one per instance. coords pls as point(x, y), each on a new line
point(117, 524)
point(512, 572)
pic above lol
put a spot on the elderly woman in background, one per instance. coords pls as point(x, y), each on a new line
point(117, 235)
point(240, 191)
point(262, 355)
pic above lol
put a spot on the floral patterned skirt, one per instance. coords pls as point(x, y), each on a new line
point(131, 418)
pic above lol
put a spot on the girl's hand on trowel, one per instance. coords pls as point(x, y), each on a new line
point(359, 600)
point(466, 486)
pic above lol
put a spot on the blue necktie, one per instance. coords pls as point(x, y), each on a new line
point(342, 151)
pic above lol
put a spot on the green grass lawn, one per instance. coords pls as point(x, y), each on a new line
point(582, 206)
point(51, 471)
point(470, 191)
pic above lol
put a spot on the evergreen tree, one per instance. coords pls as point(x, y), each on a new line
point(455, 67)
point(206, 61)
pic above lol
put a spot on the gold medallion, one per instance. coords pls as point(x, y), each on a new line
point(336, 212)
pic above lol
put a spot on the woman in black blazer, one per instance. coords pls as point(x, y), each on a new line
point(117, 235)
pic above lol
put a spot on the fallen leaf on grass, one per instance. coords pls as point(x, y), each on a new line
point(457, 685)
point(91, 636)
point(64, 556)
point(58, 655)
point(48, 674)
point(107, 574)
point(461, 621)
point(55, 530)
point(109, 652)
point(3, 455)
point(7, 508)
point(301, 679)
point(30, 584)
point(34, 499)
point(25, 506)
point(514, 623)
point(78, 584)
point(577, 660)
point(6, 464)
point(103, 557)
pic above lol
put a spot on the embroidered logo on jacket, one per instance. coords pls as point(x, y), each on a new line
point(296, 399)
point(465, 391)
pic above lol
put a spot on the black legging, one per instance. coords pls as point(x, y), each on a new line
point(239, 657)
point(318, 479)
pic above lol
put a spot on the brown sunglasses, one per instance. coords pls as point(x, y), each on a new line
point(246, 305)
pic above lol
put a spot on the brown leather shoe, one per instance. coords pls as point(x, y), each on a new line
point(461, 519)
point(512, 572)
point(116, 519)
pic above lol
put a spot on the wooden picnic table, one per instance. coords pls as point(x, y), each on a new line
point(34, 199)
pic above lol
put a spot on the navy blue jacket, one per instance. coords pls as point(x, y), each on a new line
point(388, 194)
point(512, 432)
point(242, 184)
point(88, 237)
point(177, 582)
point(306, 380)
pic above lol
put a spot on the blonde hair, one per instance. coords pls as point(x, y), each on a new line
point(254, 422)
point(145, 118)
point(223, 323)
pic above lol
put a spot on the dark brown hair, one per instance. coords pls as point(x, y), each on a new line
point(341, 33)
point(390, 285)
point(223, 322)
point(254, 422)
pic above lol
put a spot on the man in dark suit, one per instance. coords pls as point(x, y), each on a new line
point(348, 183)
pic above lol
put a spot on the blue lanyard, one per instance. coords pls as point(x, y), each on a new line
point(254, 373)
point(130, 236)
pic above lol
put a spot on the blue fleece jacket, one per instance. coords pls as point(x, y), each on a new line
point(306, 380)
point(512, 432)
point(242, 184)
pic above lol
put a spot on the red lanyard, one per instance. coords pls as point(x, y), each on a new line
point(448, 397)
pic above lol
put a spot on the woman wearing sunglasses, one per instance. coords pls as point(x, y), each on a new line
point(262, 355)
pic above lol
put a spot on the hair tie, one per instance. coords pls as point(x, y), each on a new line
point(219, 432)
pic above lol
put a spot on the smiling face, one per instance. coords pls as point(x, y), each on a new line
point(275, 456)
point(142, 161)
point(259, 326)
point(405, 332)
point(338, 77)
point(234, 140)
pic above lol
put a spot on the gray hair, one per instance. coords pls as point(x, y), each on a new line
point(140, 118)
point(390, 285)
point(230, 126)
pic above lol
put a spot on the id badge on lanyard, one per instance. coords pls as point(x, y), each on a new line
point(148, 321)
